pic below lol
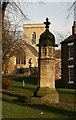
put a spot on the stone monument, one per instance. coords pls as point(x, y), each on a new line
point(46, 82)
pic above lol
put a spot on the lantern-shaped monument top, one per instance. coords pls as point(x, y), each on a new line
point(47, 38)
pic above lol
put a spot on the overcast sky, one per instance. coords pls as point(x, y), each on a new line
point(57, 13)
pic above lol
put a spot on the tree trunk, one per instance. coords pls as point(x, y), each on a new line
point(4, 5)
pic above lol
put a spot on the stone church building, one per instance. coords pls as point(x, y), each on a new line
point(25, 53)
point(22, 60)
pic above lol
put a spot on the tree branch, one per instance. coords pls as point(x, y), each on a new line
point(21, 11)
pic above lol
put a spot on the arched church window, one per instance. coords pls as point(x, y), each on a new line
point(34, 38)
point(16, 60)
point(25, 60)
point(21, 59)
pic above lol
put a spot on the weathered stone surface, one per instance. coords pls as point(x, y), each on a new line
point(50, 98)
point(47, 73)
point(48, 95)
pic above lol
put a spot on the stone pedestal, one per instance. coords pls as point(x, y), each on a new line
point(47, 73)
point(47, 95)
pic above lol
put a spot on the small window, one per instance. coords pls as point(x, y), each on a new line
point(34, 38)
point(71, 51)
point(60, 64)
point(25, 60)
point(50, 51)
point(53, 52)
point(19, 60)
point(71, 76)
point(44, 51)
point(59, 73)
point(16, 60)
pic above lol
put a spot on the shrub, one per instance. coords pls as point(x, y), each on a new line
point(5, 83)
point(58, 83)
point(21, 71)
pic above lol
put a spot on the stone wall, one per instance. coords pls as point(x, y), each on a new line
point(29, 29)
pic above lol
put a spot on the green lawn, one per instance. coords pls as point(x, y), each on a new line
point(19, 103)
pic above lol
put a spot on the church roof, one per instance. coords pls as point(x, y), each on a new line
point(31, 48)
point(21, 45)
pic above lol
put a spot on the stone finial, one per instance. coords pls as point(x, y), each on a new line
point(47, 23)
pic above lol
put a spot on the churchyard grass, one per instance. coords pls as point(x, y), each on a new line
point(17, 102)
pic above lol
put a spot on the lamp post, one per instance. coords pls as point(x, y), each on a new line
point(30, 65)
point(7, 65)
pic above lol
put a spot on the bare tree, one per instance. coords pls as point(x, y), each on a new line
point(9, 36)
point(10, 33)
point(72, 9)
point(12, 6)
point(60, 36)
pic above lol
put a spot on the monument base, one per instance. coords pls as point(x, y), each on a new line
point(47, 95)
